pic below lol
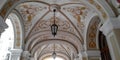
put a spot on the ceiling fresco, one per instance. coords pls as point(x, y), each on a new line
point(72, 18)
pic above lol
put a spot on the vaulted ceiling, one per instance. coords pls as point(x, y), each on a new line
point(73, 19)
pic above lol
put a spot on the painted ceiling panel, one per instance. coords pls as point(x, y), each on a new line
point(2, 2)
point(72, 18)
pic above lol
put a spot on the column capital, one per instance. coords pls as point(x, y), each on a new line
point(109, 25)
point(16, 54)
point(26, 54)
point(92, 53)
point(16, 51)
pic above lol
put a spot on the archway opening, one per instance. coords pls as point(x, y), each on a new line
point(51, 58)
point(103, 46)
point(6, 41)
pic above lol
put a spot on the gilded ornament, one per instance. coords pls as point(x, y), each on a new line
point(79, 13)
point(92, 35)
point(93, 27)
point(98, 7)
point(92, 44)
point(29, 18)
point(18, 38)
point(18, 43)
point(91, 1)
point(104, 15)
point(18, 32)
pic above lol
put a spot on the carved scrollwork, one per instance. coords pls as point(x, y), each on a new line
point(79, 13)
point(28, 12)
point(44, 25)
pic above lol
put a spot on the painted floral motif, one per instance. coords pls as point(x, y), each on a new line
point(79, 13)
point(104, 15)
point(92, 33)
point(28, 12)
point(45, 25)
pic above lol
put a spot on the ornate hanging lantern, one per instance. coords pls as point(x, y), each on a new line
point(54, 27)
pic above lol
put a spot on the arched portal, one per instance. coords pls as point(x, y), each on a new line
point(7, 41)
point(103, 46)
point(78, 25)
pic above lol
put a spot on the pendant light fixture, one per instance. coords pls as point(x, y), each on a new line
point(54, 53)
point(54, 27)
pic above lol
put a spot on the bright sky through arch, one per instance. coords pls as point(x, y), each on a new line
point(6, 40)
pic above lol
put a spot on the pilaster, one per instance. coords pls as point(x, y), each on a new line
point(94, 55)
point(111, 29)
point(15, 54)
point(26, 55)
point(83, 55)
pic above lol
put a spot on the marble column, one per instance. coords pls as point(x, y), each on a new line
point(111, 29)
point(93, 55)
point(3, 25)
point(76, 57)
point(83, 55)
point(26, 55)
point(15, 54)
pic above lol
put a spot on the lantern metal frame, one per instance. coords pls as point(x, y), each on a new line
point(54, 27)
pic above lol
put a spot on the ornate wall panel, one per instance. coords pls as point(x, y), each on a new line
point(29, 11)
point(92, 33)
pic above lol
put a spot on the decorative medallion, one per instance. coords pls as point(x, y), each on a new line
point(92, 32)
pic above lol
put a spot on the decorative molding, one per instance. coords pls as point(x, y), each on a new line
point(92, 33)
point(94, 53)
point(44, 25)
point(16, 51)
point(15, 54)
point(29, 11)
point(111, 24)
point(79, 13)
point(63, 36)
point(64, 43)
point(26, 55)
point(7, 6)
point(99, 8)
point(17, 30)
